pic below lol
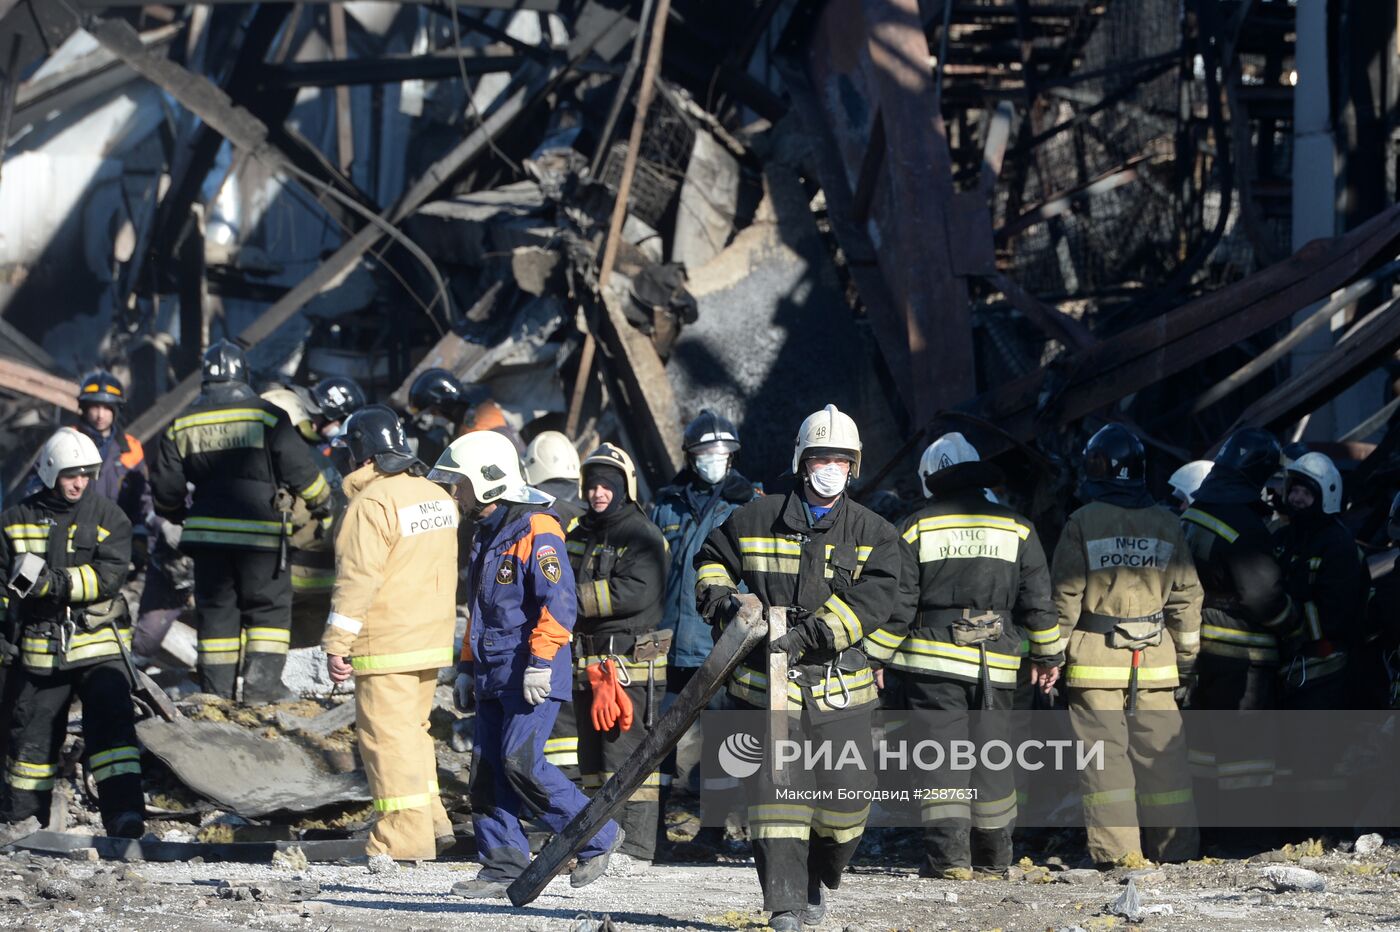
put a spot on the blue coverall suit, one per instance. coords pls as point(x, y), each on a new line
point(522, 613)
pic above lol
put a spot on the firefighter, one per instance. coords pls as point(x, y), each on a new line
point(1129, 606)
point(515, 662)
point(552, 466)
point(391, 623)
point(1325, 577)
point(311, 544)
point(619, 563)
point(697, 501)
point(983, 585)
point(66, 551)
point(123, 477)
point(836, 566)
point(1245, 615)
point(1185, 481)
point(443, 408)
point(241, 454)
point(336, 398)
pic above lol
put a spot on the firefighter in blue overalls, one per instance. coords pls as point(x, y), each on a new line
point(515, 658)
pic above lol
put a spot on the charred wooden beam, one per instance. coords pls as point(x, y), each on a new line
point(36, 383)
point(530, 86)
point(391, 69)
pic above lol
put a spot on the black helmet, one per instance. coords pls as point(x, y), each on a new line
point(1115, 455)
point(338, 397)
point(224, 362)
point(1253, 452)
point(376, 432)
point(708, 428)
point(101, 388)
point(436, 388)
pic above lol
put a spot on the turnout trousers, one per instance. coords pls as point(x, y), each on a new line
point(796, 845)
point(1144, 777)
point(974, 827)
point(244, 604)
point(1237, 764)
point(511, 780)
point(391, 723)
point(39, 722)
point(600, 754)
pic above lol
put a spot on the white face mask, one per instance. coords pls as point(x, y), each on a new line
point(830, 480)
point(712, 467)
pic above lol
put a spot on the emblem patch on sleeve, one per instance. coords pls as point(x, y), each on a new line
point(506, 574)
point(548, 559)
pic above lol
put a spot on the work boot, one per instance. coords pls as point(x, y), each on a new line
point(816, 903)
point(478, 889)
point(126, 825)
point(262, 680)
point(590, 870)
point(786, 921)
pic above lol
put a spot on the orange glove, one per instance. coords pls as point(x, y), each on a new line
point(604, 709)
point(622, 700)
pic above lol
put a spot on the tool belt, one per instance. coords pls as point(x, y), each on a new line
point(1125, 633)
point(639, 648)
point(967, 627)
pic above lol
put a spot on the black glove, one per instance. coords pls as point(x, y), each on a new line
point(1186, 686)
point(55, 585)
point(799, 640)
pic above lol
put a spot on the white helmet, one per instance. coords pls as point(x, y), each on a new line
point(550, 456)
point(610, 454)
point(65, 450)
point(1321, 470)
point(1186, 481)
point(290, 402)
point(948, 450)
point(488, 461)
point(828, 429)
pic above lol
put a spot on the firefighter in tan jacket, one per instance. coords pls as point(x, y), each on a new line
point(1129, 604)
point(391, 624)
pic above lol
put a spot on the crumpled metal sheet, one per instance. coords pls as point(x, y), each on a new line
point(247, 774)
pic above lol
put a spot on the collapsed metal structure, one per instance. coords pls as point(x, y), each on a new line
point(1032, 214)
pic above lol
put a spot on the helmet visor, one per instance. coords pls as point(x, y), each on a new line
point(445, 476)
point(711, 447)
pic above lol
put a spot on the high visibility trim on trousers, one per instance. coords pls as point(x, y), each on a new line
point(994, 813)
point(1169, 798)
point(713, 574)
point(780, 821)
point(397, 803)
point(1109, 797)
point(430, 657)
point(29, 775)
point(649, 790)
point(1211, 523)
point(562, 752)
point(839, 826)
point(267, 640)
point(921, 655)
point(219, 652)
point(114, 762)
point(1116, 677)
point(944, 811)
